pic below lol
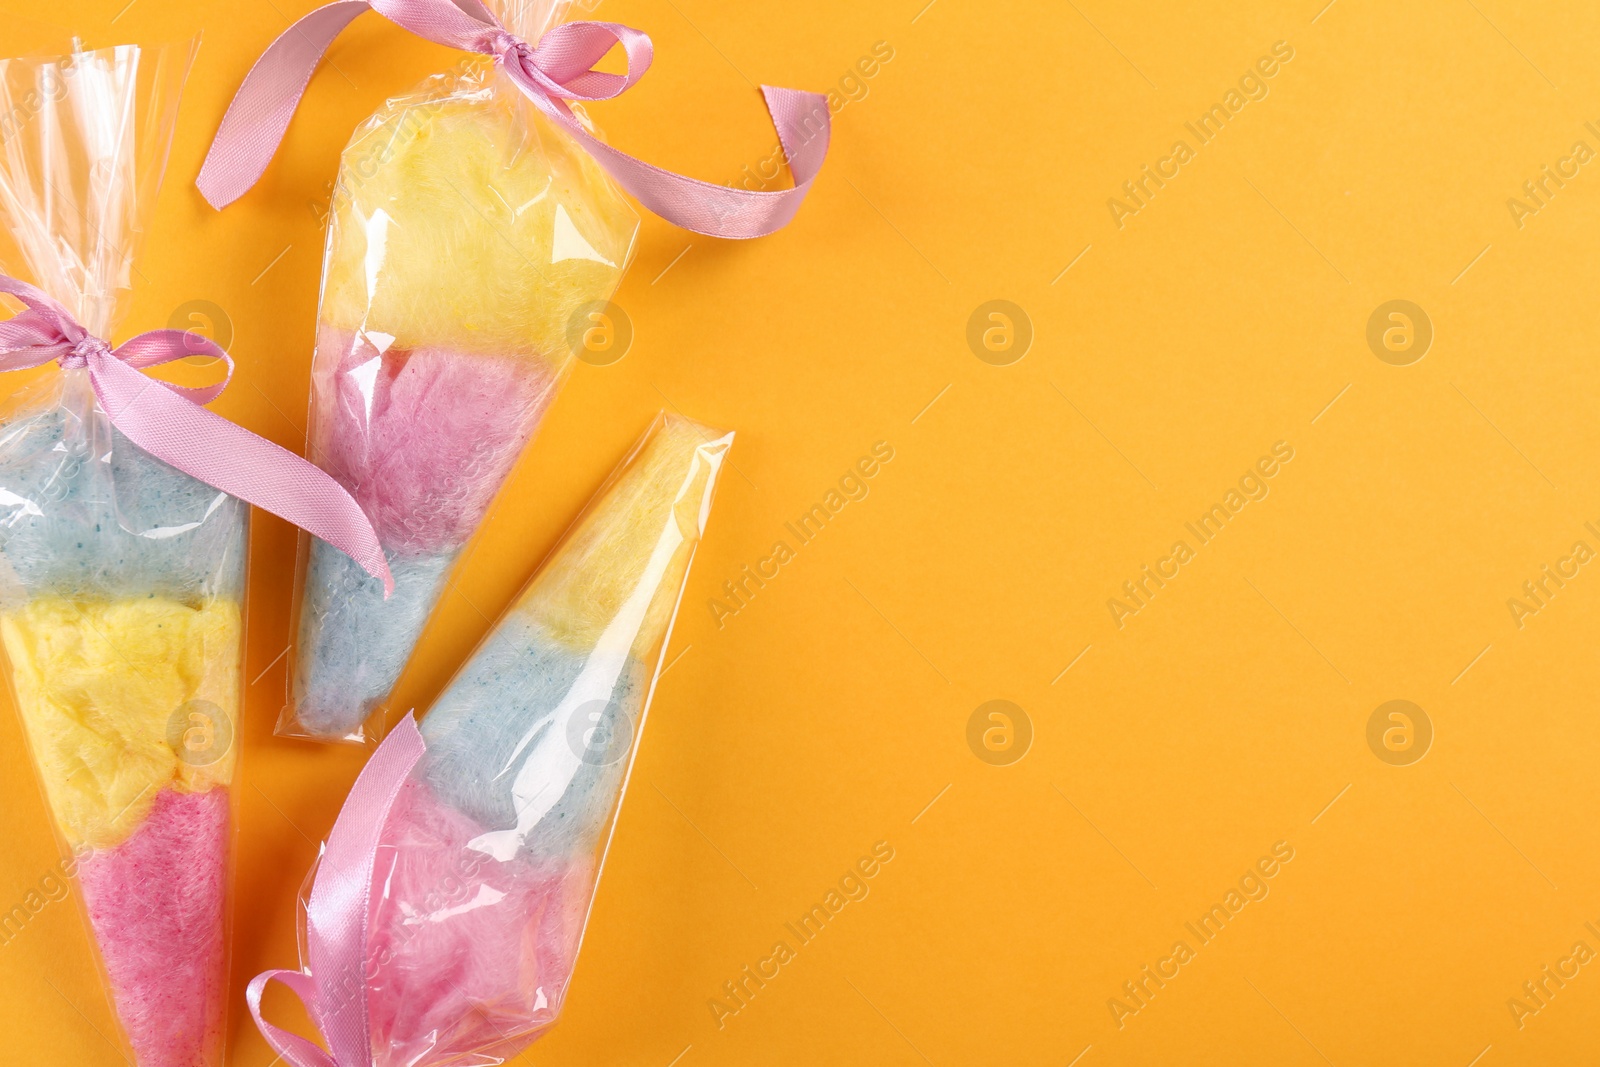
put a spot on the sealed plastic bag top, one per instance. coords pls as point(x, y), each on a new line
point(82, 512)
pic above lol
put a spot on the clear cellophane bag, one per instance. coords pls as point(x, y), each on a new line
point(471, 245)
point(488, 861)
point(121, 579)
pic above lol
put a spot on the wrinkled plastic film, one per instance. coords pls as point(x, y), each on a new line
point(469, 240)
point(529, 19)
point(489, 859)
point(84, 140)
point(121, 578)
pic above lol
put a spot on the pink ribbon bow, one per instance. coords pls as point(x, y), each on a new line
point(559, 69)
point(335, 991)
point(169, 423)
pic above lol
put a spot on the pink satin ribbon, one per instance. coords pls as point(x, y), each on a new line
point(559, 69)
point(335, 991)
point(168, 422)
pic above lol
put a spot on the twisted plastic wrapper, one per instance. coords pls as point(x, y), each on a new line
point(472, 246)
point(121, 578)
point(487, 862)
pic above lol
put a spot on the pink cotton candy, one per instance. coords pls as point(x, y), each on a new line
point(422, 438)
point(465, 953)
point(156, 907)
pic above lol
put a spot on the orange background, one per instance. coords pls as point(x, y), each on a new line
point(832, 712)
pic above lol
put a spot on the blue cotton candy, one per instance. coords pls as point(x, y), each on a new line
point(84, 513)
point(353, 643)
point(494, 733)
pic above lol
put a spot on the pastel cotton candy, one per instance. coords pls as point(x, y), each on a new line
point(155, 905)
point(465, 954)
point(463, 219)
point(468, 236)
point(100, 685)
point(103, 519)
point(510, 719)
point(424, 438)
point(353, 643)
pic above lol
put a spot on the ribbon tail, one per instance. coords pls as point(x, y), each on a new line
point(230, 458)
point(295, 1050)
point(255, 122)
point(803, 123)
point(336, 917)
point(805, 126)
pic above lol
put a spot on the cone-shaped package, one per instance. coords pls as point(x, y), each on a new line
point(472, 246)
point(121, 578)
point(488, 861)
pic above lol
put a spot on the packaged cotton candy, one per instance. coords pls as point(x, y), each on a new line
point(477, 230)
point(482, 836)
point(123, 524)
point(467, 233)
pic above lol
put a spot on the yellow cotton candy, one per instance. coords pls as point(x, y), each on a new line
point(463, 219)
point(110, 695)
point(634, 543)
